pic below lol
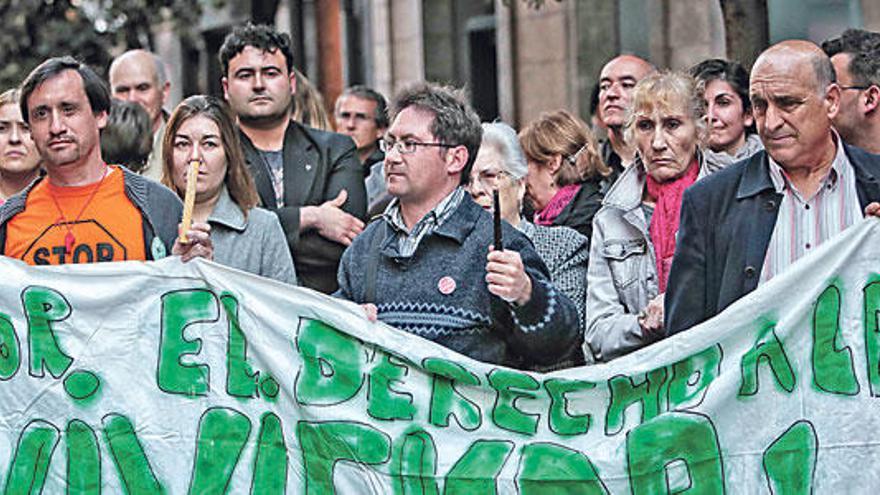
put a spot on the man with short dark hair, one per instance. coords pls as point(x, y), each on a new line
point(362, 113)
point(749, 222)
point(426, 266)
point(616, 82)
point(139, 76)
point(85, 210)
point(312, 179)
point(856, 58)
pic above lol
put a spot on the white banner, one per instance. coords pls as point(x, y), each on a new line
point(194, 378)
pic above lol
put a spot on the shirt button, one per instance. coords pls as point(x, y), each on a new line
point(808, 245)
point(749, 271)
point(807, 207)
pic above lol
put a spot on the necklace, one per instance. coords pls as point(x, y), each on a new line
point(69, 238)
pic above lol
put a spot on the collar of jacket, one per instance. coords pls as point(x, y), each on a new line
point(626, 192)
point(227, 213)
point(460, 224)
point(294, 133)
point(297, 148)
point(756, 175)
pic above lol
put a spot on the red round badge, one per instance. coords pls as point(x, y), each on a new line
point(446, 285)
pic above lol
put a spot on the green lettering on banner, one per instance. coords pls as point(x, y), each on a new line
point(550, 469)
point(446, 400)
point(510, 387)
point(790, 461)
point(83, 460)
point(692, 376)
point(135, 473)
point(833, 368)
point(324, 444)
point(561, 421)
point(10, 357)
point(767, 348)
point(872, 333)
point(82, 386)
point(477, 469)
point(625, 393)
point(241, 379)
point(414, 464)
point(180, 310)
point(674, 440)
point(270, 464)
point(332, 365)
point(223, 433)
point(383, 402)
point(27, 471)
point(44, 306)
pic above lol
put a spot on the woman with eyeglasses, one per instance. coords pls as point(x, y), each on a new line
point(634, 232)
point(500, 165)
point(566, 176)
point(724, 87)
point(202, 129)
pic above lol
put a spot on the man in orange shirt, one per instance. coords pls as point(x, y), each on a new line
point(85, 210)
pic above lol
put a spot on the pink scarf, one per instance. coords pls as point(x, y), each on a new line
point(664, 222)
point(560, 200)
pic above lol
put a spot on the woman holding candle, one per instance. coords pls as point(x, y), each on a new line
point(201, 134)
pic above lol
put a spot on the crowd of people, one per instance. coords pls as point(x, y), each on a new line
point(691, 189)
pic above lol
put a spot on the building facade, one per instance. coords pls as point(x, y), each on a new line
point(516, 60)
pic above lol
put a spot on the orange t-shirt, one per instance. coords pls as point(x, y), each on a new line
point(109, 229)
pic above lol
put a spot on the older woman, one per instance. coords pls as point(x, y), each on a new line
point(500, 165)
point(19, 160)
point(203, 129)
point(725, 90)
point(566, 176)
point(634, 232)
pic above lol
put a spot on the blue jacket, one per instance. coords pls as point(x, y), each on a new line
point(726, 223)
point(468, 320)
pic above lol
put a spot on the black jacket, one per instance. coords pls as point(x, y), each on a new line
point(727, 220)
point(578, 213)
point(317, 165)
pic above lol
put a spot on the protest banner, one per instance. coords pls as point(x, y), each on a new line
point(194, 378)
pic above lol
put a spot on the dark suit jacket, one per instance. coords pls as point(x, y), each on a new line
point(726, 222)
point(317, 165)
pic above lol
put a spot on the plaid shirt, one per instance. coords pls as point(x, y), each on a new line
point(408, 240)
point(804, 223)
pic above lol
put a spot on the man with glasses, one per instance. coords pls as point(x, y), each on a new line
point(856, 58)
point(362, 114)
point(310, 178)
point(426, 266)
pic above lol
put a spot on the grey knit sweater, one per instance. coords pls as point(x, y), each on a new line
point(469, 319)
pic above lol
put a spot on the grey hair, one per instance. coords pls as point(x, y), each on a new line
point(161, 75)
point(824, 71)
point(503, 139)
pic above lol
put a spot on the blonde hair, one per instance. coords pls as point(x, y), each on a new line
point(562, 134)
point(666, 92)
point(308, 107)
point(10, 96)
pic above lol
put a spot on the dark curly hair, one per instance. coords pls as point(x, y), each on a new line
point(258, 36)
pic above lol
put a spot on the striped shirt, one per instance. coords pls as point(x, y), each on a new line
point(408, 240)
point(804, 223)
